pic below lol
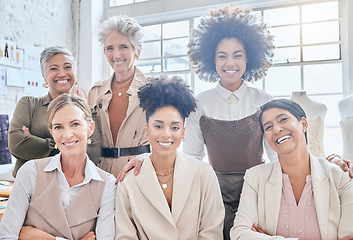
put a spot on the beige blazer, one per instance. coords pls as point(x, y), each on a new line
point(142, 211)
point(132, 130)
point(261, 196)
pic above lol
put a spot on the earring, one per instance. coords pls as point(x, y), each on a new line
point(75, 82)
point(55, 146)
point(182, 139)
point(89, 141)
point(46, 85)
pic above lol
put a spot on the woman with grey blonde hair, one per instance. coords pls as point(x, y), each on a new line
point(29, 136)
point(121, 120)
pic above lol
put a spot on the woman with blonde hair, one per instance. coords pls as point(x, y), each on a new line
point(66, 195)
point(29, 136)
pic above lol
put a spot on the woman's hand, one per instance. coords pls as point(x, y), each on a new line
point(26, 130)
point(29, 233)
point(89, 236)
point(256, 228)
point(136, 163)
point(346, 165)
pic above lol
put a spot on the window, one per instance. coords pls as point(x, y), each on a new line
point(114, 3)
point(308, 54)
point(308, 57)
point(164, 49)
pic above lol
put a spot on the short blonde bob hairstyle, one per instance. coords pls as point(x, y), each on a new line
point(63, 100)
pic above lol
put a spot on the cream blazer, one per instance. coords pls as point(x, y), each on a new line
point(261, 196)
point(132, 130)
point(142, 211)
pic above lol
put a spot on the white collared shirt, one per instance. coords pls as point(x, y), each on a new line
point(222, 104)
point(23, 191)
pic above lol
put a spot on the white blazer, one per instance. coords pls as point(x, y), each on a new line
point(142, 211)
point(261, 196)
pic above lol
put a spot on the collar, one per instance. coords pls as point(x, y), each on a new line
point(107, 85)
point(139, 80)
point(46, 99)
point(91, 171)
point(226, 94)
point(317, 167)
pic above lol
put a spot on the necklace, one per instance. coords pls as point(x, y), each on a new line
point(164, 184)
point(165, 174)
point(122, 87)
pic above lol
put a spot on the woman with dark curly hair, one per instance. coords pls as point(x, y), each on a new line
point(231, 47)
point(174, 196)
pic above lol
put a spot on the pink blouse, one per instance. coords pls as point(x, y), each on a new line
point(298, 221)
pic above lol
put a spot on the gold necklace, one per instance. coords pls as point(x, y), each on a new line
point(165, 174)
point(122, 86)
point(164, 184)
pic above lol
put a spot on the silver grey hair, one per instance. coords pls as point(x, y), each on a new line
point(125, 25)
point(51, 51)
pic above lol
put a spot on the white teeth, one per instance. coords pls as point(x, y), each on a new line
point(62, 81)
point(283, 139)
point(231, 71)
point(69, 144)
point(165, 143)
point(118, 62)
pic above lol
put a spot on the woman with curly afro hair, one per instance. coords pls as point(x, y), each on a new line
point(231, 47)
point(175, 196)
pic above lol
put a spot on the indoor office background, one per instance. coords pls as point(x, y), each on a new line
point(313, 39)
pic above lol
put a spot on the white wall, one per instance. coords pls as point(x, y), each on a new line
point(36, 22)
point(91, 60)
point(40, 23)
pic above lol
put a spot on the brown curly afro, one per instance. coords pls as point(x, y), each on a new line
point(239, 23)
point(163, 92)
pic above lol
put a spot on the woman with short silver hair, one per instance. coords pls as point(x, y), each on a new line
point(29, 136)
point(121, 120)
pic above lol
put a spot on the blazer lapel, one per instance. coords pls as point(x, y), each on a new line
point(55, 216)
point(321, 187)
point(273, 193)
point(183, 177)
point(103, 116)
point(147, 182)
point(134, 102)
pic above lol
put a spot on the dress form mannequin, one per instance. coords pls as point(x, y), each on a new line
point(346, 112)
point(315, 113)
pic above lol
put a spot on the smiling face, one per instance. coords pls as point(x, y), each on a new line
point(70, 131)
point(120, 53)
point(283, 131)
point(230, 61)
point(59, 74)
point(165, 129)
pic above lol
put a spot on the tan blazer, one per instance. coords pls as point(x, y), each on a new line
point(261, 196)
point(45, 211)
point(132, 130)
point(142, 211)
